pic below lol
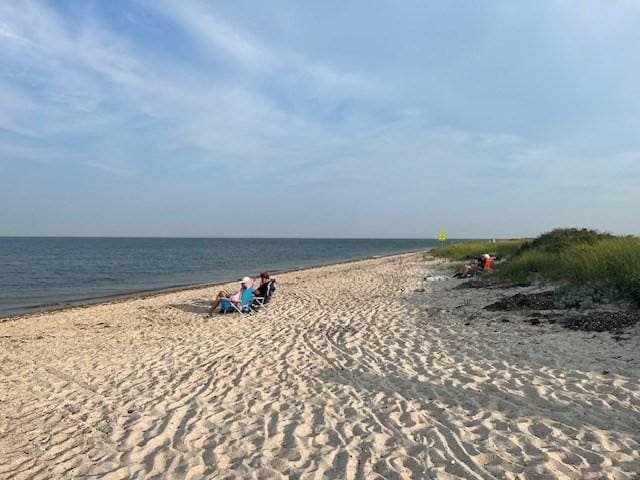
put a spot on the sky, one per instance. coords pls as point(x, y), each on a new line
point(485, 119)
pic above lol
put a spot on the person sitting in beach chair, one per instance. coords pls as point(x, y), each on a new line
point(469, 269)
point(265, 291)
point(487, 263)
point(482, 264)
point(238, 301)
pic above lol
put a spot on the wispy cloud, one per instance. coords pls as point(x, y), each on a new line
point(16, 110)
point(263, 58)
point(119, 172)
point(241, 46)
point(7, 33)
point(41, 155)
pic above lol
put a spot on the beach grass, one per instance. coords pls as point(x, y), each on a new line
point(470, 250)
point(611, 263)
point(577, 257)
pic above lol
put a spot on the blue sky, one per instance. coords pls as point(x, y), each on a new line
point(320, 119)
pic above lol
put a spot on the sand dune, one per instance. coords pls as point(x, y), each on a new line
point(351, 373)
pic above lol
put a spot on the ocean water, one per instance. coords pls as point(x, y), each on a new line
point(39, 272)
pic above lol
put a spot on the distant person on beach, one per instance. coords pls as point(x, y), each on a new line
point(224, 299)
point(264, 290)
point(264, 283)
point(469, 269)
point(487, 263)
point(482, 264)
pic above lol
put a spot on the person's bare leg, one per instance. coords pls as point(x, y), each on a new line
point(222, 294)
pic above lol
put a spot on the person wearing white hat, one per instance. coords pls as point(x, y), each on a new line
point(225, 298)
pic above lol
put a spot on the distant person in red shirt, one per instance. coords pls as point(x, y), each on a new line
point(483, 263)
point(487, 263)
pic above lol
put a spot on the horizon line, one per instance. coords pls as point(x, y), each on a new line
point(257, 237)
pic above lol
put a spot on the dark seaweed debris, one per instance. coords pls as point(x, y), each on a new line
point(486, 283)
point(473, 284)
point(596, 320)
point(520, 301)
point(602, 321)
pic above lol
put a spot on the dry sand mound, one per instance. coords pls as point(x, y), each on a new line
point(349, 374)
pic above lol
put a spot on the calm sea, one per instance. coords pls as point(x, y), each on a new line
point(37, 272)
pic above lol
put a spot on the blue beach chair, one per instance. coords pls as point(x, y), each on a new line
point(227, 306)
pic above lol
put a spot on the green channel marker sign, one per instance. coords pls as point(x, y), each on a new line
point(442, 237)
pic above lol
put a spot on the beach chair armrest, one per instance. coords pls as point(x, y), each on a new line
point(242, 309)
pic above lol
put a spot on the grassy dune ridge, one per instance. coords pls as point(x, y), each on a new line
point(470, 250)
point(579, 257)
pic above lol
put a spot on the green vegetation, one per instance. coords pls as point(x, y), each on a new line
point(580, 258)
point(469, 250)
point(561, 238)
point(609, 263)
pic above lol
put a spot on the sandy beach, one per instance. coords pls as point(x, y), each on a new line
point(352, 372)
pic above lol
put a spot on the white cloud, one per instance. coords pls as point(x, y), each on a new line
point(240, 45)
point(598, 17)
point(119, 172)
point(15, 112)
point(265, 59)
point(6, 32)
point(43, 155)
point(87, 66)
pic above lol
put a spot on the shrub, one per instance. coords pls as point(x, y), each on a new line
point(608, 263)
point(561, 238)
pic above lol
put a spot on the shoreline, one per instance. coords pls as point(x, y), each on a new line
point(82, 303)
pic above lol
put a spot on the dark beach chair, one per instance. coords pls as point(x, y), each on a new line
point(267, 294)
